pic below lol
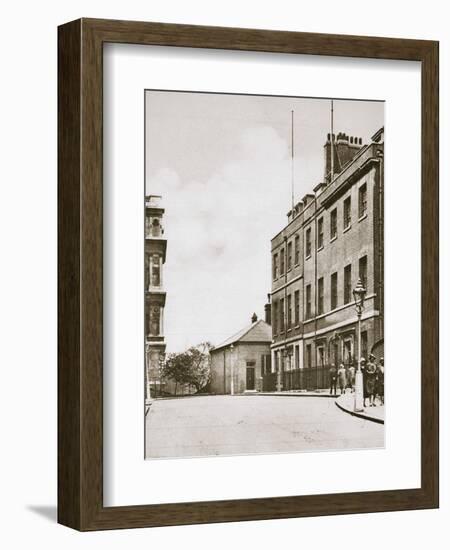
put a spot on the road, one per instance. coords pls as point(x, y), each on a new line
point(229, 425)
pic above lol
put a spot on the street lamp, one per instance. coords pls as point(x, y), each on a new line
point(359, 293)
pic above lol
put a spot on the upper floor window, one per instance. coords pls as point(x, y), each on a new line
point(308, 302)
point(297, 250)
point(289, 311)
point(362, 202)
point(347, 284)
point(281, 314)
point(297, 307)
point(320, 308)
point(333, 224)
point(334, 290)
point(282, 262)
point(156, 228)
point(155, 321)
point(347, 213)
point(156, 270)
point(320, 233)
point(363, 271)
point(275, 266)
point(289, 256)
point(308, 242)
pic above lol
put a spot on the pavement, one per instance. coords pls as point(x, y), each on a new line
point(295, 393)
point(346, 403)
point(251, 424)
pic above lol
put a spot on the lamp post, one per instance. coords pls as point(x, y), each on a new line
point(359, 293)
point(232, 370)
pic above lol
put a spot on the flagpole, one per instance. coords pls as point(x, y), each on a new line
point(332, 143)
point(292, 161)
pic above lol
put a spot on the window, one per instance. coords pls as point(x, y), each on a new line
point(282, 262)
point(289, 311)
point(275, 266)
point(297, 250)
point(289, 256)
point(297, 307)
point(308, 302)
point(275, 317)
point(308, 356)
point(308, 242)
point(281, 314)
point(155, 321)
point(320, 296)
point(334, 290)
point(156, 271)
point(156, 228)
point(333, 224)
point(347, 284)
point(363, 271)
point(364, 344)
point(347, 213)
point(320, 233)
point(297, 357)
point(320, 356)
point(362, 202)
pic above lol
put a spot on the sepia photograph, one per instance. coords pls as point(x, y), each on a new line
point(264, 274)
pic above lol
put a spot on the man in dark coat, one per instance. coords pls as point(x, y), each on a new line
point(333, 379)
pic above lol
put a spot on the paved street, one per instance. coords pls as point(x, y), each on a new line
point(226, 425)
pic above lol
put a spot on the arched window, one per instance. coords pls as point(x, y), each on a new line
point(156, 228)
point(155, 317)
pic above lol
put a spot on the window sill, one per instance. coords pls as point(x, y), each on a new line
point(307, 257)
point(320, 248)
point(333, 239)
point(347, 228)
point(363, 217)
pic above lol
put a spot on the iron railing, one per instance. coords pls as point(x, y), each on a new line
point(307, 379)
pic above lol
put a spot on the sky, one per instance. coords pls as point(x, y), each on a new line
point(222, 164)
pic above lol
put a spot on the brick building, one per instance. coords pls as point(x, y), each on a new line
point(333, 237)
point(239, 363)
point(155, 296)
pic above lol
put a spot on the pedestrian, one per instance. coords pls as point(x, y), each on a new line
point(342, 378)
point(380, 381)
point(362, 366)
point(370, 381)
point(351, 377)
point(333, 379)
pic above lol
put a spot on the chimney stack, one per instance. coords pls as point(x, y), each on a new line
point(345, 148)
point(254, 318)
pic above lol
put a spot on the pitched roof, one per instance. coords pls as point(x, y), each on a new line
point(256, 332)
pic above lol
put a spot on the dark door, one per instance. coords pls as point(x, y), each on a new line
point(250, 378)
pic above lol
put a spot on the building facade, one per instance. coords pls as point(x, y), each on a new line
point(155, 296)
point(239, 364)
point(334, 236)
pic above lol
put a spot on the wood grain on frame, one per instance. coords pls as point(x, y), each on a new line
point(80, 264)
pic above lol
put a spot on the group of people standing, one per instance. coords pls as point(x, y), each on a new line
point(373, 379)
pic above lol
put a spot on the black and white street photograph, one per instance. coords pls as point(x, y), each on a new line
point(264, 274)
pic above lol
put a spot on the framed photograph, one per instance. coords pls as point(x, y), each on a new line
point(248, 233)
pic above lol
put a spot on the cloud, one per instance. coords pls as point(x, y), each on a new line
point(218, 230)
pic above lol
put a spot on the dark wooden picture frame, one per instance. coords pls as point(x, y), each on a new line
point(80, 273)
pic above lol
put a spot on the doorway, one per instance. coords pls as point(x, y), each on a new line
point(250, 378)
